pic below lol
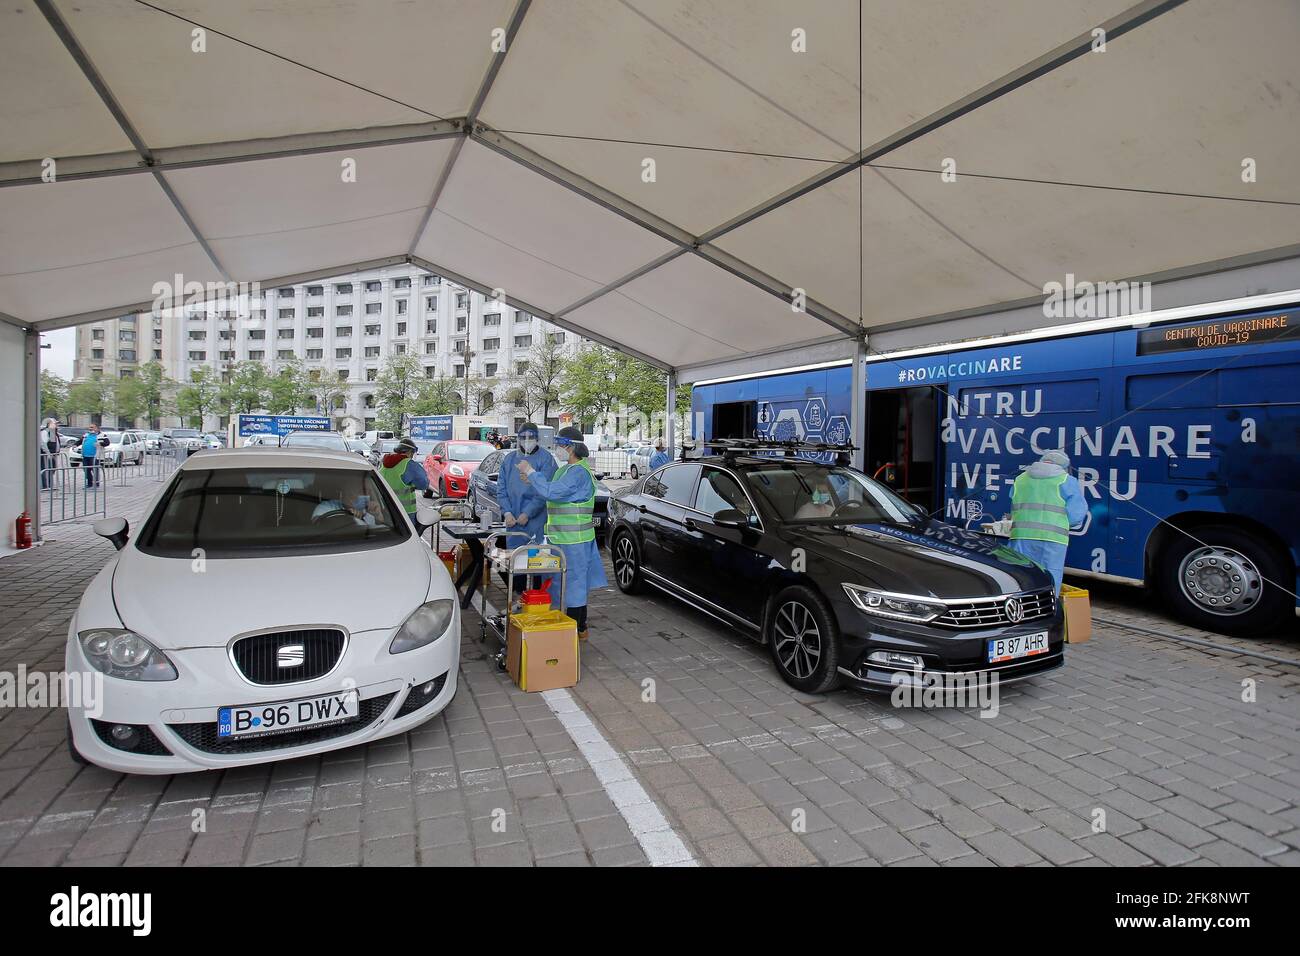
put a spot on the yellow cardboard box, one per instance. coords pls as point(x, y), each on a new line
point(542, 650)
point(1078, 614)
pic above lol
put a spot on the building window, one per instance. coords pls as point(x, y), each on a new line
point(343, 375)
point(374, 286)
point(462, 324)
point(372, 374)
point(523, 341)
point(521, 368)
point(491, 345)
point(97, 334)
point(462, 300)
point(315, 290)
point(286, 293)
point(430, 328)
point(257, 334)
point(375, 329)
point(403, 283)
point(97, 354)
point(315, 312)
point(459, 371)
point(126, 355)
point(343, 310)
point(259, 315)
point(343, 353)
point(157, 335)
point(126, 335)
point(227, 356)
point(431, 371)
point(401, 330)
point(430, 348)
point(197, 335)
point(433, 280)
point(315, 354)
point(399, 348)
point(343, 332)
point(458, 345)
point(490, 369)
point(288, 313)
point(401, 306)
point(316, 333)
point(492, 318)
point(286, 333)
point(157, 355)
point(284, 354)
point(257, 355)
point(521, 316)
point(374, 308)
point(372, 351)
point(430, 303)
point(343, 288)
point(198, 356)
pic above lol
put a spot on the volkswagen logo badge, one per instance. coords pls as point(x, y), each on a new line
point(290, 655)
point(1015, 610)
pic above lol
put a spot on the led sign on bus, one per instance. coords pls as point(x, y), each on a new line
point(1218, 334)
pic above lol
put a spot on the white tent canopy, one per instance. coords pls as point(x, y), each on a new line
point(506, 144)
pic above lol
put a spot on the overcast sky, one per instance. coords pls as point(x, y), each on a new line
point(63, 349)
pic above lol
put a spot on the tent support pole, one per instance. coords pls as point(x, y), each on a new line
point(858, 403)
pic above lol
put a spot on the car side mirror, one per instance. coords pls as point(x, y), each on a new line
point(426, 512)
point(438, 458)
point(600, 475)
point(114, 529)
point(730, 518)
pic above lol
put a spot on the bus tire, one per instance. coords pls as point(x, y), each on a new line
point(1222, 562)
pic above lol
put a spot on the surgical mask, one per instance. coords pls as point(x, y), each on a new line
point(529, 445)
point(821, 497)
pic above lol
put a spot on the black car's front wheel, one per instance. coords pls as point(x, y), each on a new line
point(804, 640)
point(627, 564)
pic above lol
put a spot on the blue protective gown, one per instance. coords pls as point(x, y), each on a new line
point(516, 496)
point(583, 568)
point(1049, 555)
point(659, 459)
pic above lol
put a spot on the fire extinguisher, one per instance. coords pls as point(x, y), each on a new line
point(23, 531)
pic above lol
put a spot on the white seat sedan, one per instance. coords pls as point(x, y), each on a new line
point(326, 621)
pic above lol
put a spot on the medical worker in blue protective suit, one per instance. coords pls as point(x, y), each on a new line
point(522, 506)
point(1046, 502)
point(570, 507)
point(660, 457)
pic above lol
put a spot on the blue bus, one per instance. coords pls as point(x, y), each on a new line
point(1184, 435)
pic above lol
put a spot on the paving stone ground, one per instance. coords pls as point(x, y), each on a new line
point(1149, 736)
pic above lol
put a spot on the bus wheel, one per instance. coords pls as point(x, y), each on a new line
point(1219, 580)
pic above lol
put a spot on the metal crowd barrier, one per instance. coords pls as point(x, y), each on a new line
point(66, 496)
point(155, 466)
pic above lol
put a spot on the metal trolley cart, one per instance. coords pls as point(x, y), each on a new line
point(525, 559)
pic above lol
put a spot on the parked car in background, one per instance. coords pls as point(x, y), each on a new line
point(449, 465)
point(360, 446)
point(214, 441)
point(483, 493)
point(115, 449)
point(840, 577)
point(261, 441)
point(328, 441)
point(190, 439)
point(294, 665)
point(638, 458)
point(70, 435)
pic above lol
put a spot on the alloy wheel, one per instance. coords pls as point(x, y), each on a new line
point(624, 561)
point(798, 639)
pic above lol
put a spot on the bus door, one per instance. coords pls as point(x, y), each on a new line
point(902, 437)
point(735, 419)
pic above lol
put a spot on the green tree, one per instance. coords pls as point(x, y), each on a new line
point(592, 383)
point(289, 390)
point(54, 395)
point(541, 380)
point(329, 393)
point(130, 400)
point(245, 387)
point(200, 398)
point(91, 396)
point(156, 390)
point(436, 396)
point(399, 384)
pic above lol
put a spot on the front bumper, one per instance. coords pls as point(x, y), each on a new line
point(946, 653)
point(181, 714)
point(455, 487)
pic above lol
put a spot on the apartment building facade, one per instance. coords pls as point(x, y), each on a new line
point(344, 328)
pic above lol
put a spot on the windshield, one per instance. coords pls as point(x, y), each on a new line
point(315, 440)
point(184, 433)
point(113, 437)
point(458, 451)
point(260, 512)
point(806, 491)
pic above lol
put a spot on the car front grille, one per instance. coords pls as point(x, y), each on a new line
point(285, 657)
point(204, 736)
point(998, 611)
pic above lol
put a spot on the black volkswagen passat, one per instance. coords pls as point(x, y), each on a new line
point(840, 577)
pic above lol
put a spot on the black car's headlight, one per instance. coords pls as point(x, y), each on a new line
point(899, 607)
point(125, 654)
point(424, 626)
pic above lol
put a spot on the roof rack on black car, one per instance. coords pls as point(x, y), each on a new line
point(732, 447)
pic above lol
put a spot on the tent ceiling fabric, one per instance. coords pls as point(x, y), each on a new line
point(525, 170)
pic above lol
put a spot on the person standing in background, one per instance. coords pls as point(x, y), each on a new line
point(90, 455)
point(1046, 502)
point(49, 451)
point(660, 457)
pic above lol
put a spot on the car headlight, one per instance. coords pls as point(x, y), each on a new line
point(458, 471)
point(125, 654)
point(424, 626)
point(899, 607)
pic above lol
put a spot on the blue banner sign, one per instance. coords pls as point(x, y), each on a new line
point(431, 427)
point(280, 425)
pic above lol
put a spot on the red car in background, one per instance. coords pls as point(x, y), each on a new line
point(451, 463)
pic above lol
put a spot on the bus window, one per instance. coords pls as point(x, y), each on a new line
point(735, 419)
point(1198, 389)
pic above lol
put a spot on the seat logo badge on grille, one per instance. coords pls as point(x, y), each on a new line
point(290, 655)
point(1015, 610)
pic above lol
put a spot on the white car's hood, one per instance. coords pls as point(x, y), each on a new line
point(174, 605)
